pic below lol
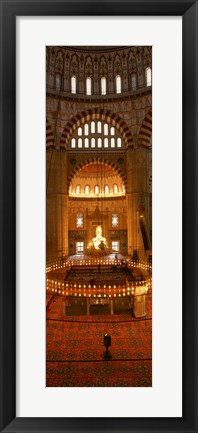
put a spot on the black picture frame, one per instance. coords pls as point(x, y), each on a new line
point(188, 9)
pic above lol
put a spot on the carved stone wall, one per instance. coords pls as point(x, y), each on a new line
point(96, 64)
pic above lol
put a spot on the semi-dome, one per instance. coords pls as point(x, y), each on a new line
point(96, 180)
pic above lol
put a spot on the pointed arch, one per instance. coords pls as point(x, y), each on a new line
point(145, 133)
point(49, 136)
point(96, 114)
point(96, 160)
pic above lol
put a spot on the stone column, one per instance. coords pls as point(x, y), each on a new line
point(111, 306)
point(136, 196)
point(139, 305)
point(62, 224)
point(132, 222)
point(132, 202)
point(56, 204)
point(88, 306)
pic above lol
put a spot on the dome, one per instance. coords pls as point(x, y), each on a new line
point(97, 72)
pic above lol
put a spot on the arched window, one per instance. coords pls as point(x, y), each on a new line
point(73, 143)
point(106, 129)
point(148, 76)
point(86, 129)
point(119, 142)
point(99, 127)
point(106, 189)
point(79, 142)
point(99, 142)
point(134, 81)
point(73, 84)
point(114, 221)
point(115, 188)
point(106, 143)
point(118, 84)
point(86, 142)
point(93, 127)
point(103, 86)
point(115, 246)
point(77, 189)
point(79, 220)
point(88, 86)
point(93, 142)
point(79, 248)
point(86, 136)
point(112, 142)
point(58, 82)
point(96, 189)
point(87, 189)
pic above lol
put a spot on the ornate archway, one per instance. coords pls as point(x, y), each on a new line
point(145, 133)
point(49, 136)
point(96, 114)
point(96, 160)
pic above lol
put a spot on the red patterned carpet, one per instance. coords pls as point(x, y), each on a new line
point(75, 349)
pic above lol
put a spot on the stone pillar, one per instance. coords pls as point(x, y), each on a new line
point(65, 237)
point(132, 220)
point(132, 202)
point(88, 306)
point(111, 306)
point(62, 224)
point(137, 201)
point(139, 305)
point(56, 204)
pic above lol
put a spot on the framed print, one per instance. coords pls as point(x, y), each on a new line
point(98, 216)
